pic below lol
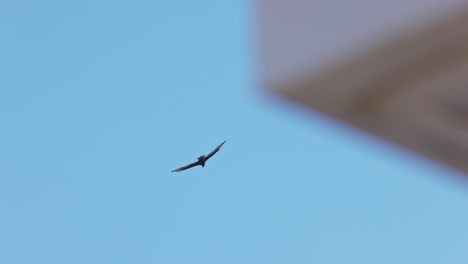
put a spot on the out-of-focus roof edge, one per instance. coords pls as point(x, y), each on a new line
point(351, 91)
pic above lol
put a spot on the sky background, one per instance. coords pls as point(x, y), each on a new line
point(100, 100)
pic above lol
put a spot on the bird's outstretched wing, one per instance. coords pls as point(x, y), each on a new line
point(215, 150)
point(187, 166)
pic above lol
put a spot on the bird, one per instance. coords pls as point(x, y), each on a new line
point(201, 160)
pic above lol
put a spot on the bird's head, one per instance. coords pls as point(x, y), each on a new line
point(201, 157)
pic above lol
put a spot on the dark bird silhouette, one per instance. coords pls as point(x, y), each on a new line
point(201, 160)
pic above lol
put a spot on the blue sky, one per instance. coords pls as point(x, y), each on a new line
point(100, 100)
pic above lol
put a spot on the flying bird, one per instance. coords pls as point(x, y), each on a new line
point(201, 160)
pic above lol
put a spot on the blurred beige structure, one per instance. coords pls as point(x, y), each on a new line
point(397, 69)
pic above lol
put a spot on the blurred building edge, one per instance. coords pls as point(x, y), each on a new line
point(407, 84)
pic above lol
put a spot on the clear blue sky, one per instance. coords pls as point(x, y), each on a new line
point(100, 100)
